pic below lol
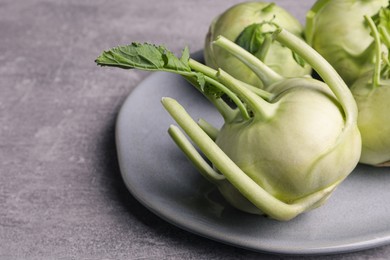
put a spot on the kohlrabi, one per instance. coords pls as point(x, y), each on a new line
point(250, 25)
point(337, 30)
point(280, 152)
point(372, 94)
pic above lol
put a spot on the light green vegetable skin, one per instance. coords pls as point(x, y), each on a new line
point(336, 29)
point(250, 25)
point(354, 36)
point(280, 152)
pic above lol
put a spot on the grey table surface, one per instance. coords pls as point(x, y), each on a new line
point(61, 192)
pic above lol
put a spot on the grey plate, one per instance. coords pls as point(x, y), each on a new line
point(356, 217)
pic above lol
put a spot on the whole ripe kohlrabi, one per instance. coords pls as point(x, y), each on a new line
point(250, 25)
point(372, 94)
point(280, 152)
point(337, 30)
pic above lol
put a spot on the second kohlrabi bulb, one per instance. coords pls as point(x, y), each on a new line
point(264, 17)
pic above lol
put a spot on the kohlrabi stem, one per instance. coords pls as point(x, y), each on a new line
point(309, 26)
point(262, 53)
point(209, 129)
point(233, 96)
point(193, 155)
point(197, 66)
point(265, 73)
point(258, 91)
point(224, 109)
point(325, 70)
point(261, 109)
point(376, 78)
point(210, 77)
point(310, 19)
point(246, 186)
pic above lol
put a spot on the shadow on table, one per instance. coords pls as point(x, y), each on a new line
point(117, 191)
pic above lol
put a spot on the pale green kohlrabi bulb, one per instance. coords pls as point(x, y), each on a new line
point(308, 123)
point(337, 30)
point(250, 25)
point(295, 145)
point(372, 94)
point(373, 119)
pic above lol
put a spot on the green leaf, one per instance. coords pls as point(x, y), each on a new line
point(251, 38)
point(382, 18)
point(200, 79)
point(257, 42)
point(382, 22)
point(185, 56)
point(381, 26)
point(298, 59)
point(206, 87)
point(144, 56)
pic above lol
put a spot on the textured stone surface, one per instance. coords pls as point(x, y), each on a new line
point(61, 194)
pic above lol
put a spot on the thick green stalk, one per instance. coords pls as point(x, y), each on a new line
point(209, 129)
point(211, 78)
point(261, 108)
point(228, 113)
point(265, 74)
point(376, 78)
point(224, 109)
point(231, 94)
point(310, 19)
point(197, 66)
point(326, 71)
point(192, 154)
point(262, 53)
point(268, 96)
